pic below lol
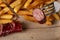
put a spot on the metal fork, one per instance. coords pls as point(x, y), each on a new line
point(48, 9)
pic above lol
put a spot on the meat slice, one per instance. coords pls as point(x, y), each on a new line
point(39, 15)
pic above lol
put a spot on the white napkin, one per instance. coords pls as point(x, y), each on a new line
point(57, 6)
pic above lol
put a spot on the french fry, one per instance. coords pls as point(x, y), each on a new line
point(29, 18)
point(27, 3)
point(41, 5)
point(34, 4)
point(56, 16)
point(48, 21)
point(51, 18)
point(0, 1)
point(17, 2)
point(0, 8)
point(9, 12)
point(2, 5)
point(21, 12)
point(49, 1)
point(9, 1)
point(2, 21)
point(16, 9)
point(6, 9)
point(6, 16)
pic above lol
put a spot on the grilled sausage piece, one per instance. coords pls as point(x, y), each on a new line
point(39, 16)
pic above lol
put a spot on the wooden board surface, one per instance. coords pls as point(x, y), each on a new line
point(35, 34)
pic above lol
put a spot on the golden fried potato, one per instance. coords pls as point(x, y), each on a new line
point(6, 9)
point(2, 21)
point(49, 1)
point(56, 16)
point(9, 12)
point(51, 18)
point(0, 8)
point(34, 4)
point(48, 20)
point(15, 3)
point(25, 12)
point(41, 5)
point(6, 16)
point(0, 1)
point(27, 3)
point(16, 9)
point(29, 18)
point(9, 1)
point(48, 23)
point(2, 5)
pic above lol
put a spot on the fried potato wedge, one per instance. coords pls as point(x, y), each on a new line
point(6, 16)
point(2, 21)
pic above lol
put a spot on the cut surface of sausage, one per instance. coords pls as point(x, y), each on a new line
point(38, 14)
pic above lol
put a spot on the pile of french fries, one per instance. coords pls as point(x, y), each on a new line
point(24, 8)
